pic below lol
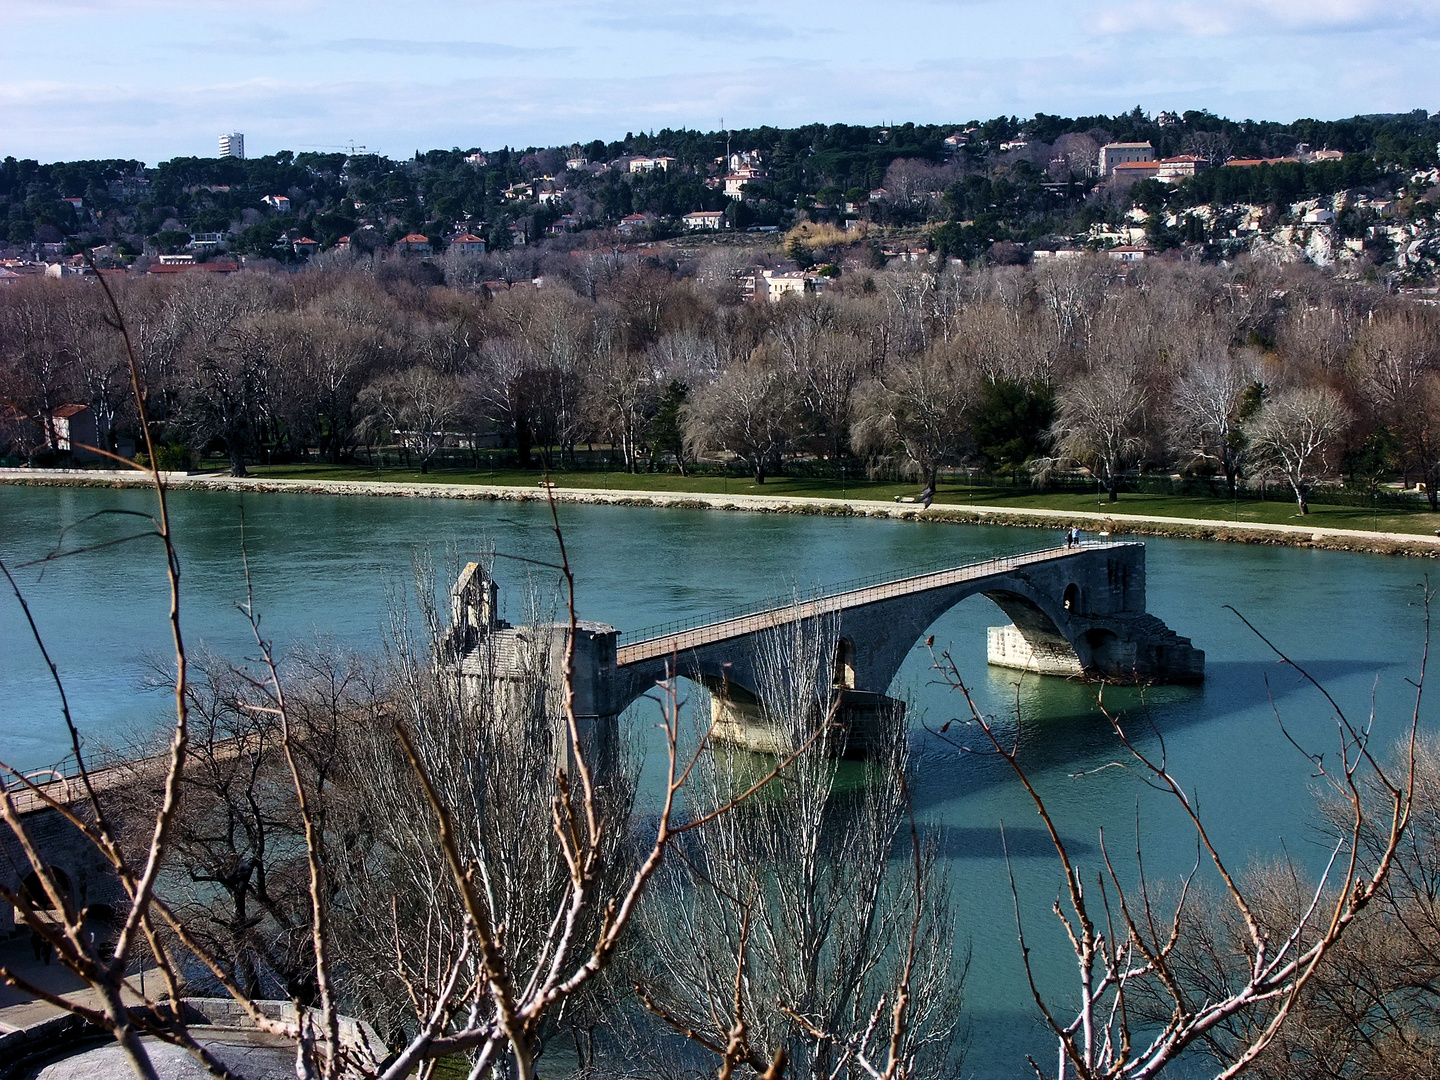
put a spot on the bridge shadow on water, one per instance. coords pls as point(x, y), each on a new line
point(1060, 730)
point(987, 842)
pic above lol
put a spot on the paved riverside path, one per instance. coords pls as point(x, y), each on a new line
point(668, 644)
point(1199, 528)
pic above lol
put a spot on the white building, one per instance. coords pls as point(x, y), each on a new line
point(1130, 253)
point(793, 283)
point(704, 219)
point(232, 145)
point(736, 181)
point(1116, 153)
point(281, 203)
point(650, 164)
point(1175, 169)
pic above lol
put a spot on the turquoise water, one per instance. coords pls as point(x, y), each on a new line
point(330, 566)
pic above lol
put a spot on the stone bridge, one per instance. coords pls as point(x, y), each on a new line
point(85, 878)
point(1073, 611)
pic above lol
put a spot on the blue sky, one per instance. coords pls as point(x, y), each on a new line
point(154, 79)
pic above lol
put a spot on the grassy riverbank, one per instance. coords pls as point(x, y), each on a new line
point(1253, 512)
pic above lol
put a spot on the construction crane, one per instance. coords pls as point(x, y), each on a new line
point(351, 148)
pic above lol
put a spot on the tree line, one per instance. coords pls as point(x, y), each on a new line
point(1041, 170)
point(1235, 375)
point(442, 849)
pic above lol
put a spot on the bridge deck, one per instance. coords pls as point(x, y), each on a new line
point(724, 629)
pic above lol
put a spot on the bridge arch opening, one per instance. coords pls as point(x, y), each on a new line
point(33, 893)
point(844, 675)
point(1072, 598)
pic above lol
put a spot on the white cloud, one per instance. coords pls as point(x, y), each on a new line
point(1224, 18)
point(140, 82)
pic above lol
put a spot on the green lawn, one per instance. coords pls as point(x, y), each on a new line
point(1274, 511)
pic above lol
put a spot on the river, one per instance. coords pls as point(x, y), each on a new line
point(331, 566)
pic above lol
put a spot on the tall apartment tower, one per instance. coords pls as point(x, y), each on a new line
point(232, 145)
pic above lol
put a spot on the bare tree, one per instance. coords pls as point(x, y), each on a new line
point(789, 935)
point(1211, 146)
point(1140, 1003)
point(1292, 434)
point(38, 355)
point(1212, 400)
point(416, 405)
point(235, 875)
point(322, 364)
point(751, 411)
point(922, 407)
point(1398, 368)
point(1071, 292)
point(1100, 420)
point(624, 394)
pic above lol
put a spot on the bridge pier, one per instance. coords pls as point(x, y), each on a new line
point(740, 719)
point(1007, 647)
point(1139, 648)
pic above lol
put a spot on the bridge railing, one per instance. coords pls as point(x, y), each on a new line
point(878, 586)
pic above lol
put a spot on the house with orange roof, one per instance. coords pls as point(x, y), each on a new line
point(633, 222)
point(1130, 171)
point(1251, 163)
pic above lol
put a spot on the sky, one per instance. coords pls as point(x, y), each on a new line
point(155, 79)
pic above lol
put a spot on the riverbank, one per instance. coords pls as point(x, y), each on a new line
point(1304, 535)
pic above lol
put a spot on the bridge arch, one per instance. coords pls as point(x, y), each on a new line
point(1036, 610)
point(32, 890)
